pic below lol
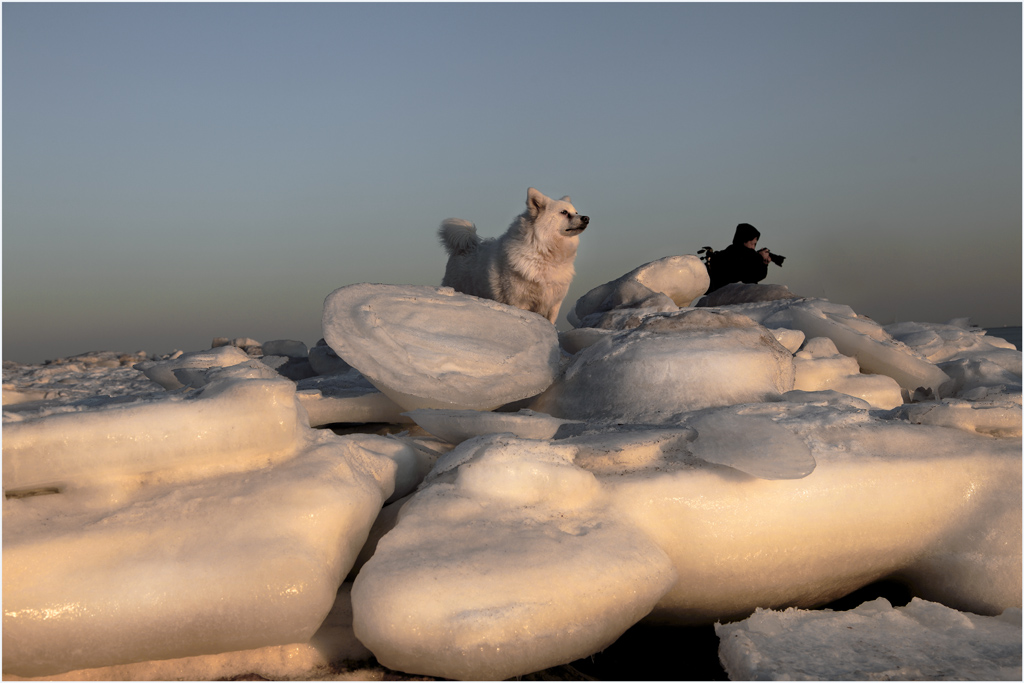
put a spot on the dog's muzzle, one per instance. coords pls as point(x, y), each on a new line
point(577, 229)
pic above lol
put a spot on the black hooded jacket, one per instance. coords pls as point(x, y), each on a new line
point(737, 263)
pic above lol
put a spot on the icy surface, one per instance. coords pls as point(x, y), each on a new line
point(665, 285)
point(999, 416)
point(691, 465)
point(820, 367)
point(870, 345)
point(670, 364)
point(162, 372)
point(532, 571)
point(921, 641)
point(939, 508)
point(346, 398)
point(170, 529)
point(743, 293)
point(71, 384)
point(332, 646)
point(259, 423)
point(428, 347)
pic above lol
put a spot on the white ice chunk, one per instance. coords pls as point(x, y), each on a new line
point(333, 644)
point(531, 573)
point(184, 526)
point(999, 416)
point(820, 367)
point(455, 426)
point(970, 375)
point(671, 364)
point(683, 278)
point(940, 343)
point(875, 351)
point(220, 563)
point(791, 339)
point(428, 347)
point(198, 377)
point(162, 371)
point(680, 278)
point(919, 642)
point(971, 358)
point(229, 426)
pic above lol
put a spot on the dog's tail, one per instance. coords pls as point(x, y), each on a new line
point(458, 236)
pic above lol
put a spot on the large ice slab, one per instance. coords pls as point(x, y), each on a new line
point(429, 347)
point(510, 557)
point(666, 284)
point(923, 641)
point(333, 646)
point(229, 426)
point(210, 524)
point(670, 364)
point(531, 573)
point(875, 351)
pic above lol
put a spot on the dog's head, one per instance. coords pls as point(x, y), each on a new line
point(557, 214)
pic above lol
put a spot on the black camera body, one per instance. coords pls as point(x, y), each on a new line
point(776, 259)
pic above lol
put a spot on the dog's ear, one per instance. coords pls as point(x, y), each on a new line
point(535, 201)
point(565, 199)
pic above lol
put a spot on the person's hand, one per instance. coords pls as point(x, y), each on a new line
point(765, 254)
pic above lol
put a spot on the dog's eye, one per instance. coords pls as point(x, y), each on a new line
point(565, 212)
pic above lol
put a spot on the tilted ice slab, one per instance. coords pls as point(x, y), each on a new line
point(520, 554)
point(998, 416)
point(670, 364)
point(666, 284)
point(820, 366)
point(980, 366)
point(939, 343)
point(211, 524)
point(876, 352)
point(919, 642)
point(429, 347)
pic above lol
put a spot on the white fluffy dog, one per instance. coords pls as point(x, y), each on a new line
point(528, 267)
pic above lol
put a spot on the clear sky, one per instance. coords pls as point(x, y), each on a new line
point(174, 173)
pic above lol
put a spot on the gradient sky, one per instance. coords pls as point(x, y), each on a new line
point(174, 173)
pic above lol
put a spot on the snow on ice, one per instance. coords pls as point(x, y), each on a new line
point(934, 643)
point(204, 514)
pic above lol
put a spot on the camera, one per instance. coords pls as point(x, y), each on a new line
point(776, 259)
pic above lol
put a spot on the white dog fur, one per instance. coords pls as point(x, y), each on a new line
point(529, 267)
